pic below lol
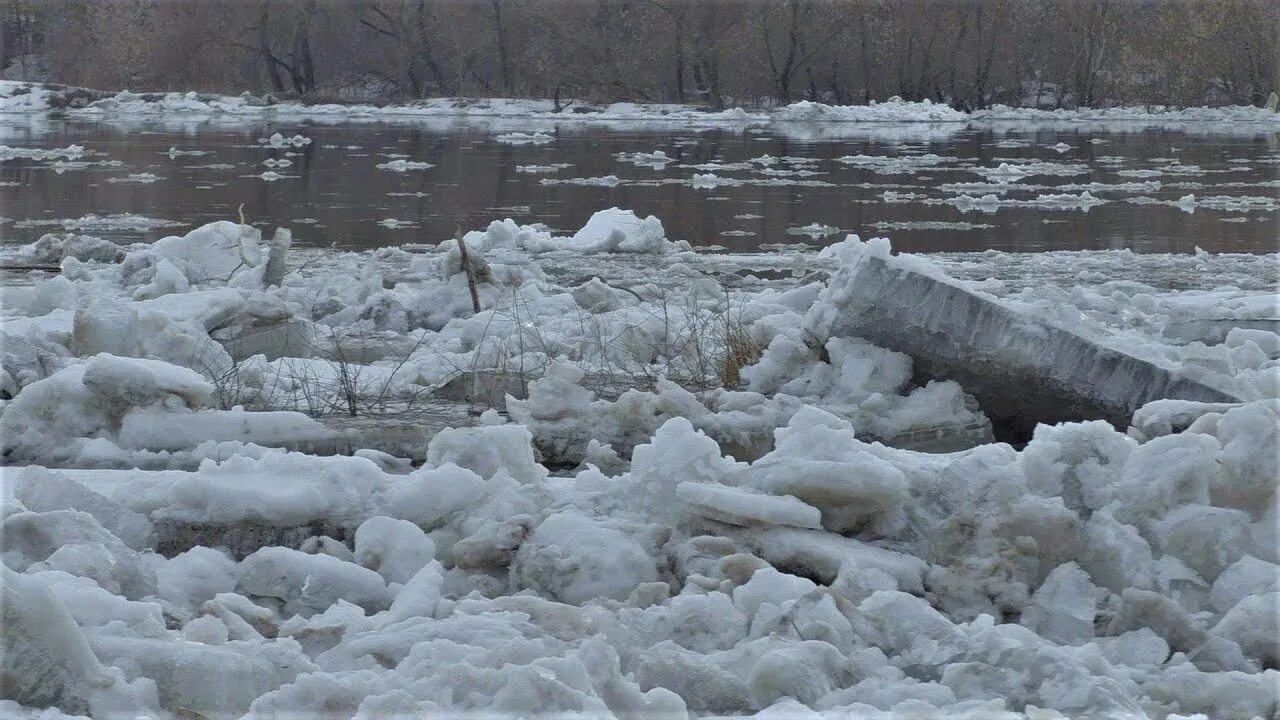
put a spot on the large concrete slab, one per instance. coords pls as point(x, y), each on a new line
point(1021, 369)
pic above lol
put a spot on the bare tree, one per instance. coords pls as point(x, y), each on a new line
point(968, 53)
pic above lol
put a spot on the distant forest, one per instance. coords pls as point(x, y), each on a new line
point(966, 53)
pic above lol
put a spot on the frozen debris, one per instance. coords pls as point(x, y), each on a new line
point(274, 163)
point(403, 165)
point(519, 138)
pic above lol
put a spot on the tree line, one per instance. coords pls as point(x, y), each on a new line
point(966, 53)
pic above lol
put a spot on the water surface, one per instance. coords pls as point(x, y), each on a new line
point(333, 195)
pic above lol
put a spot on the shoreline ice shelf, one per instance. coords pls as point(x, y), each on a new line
point(26, 98)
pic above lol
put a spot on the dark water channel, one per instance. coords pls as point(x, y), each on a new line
point(332, 193)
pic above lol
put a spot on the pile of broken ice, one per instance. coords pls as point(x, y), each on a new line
point(728, 552)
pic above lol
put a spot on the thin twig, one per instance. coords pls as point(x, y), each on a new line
point(466, 268)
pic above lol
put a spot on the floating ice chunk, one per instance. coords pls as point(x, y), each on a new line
point(1209, 694)
point(420, 596)
point(196, 576)
point(656, 159)
point(429, 495)
point(142, 178)
point(1169, 620)
point(603, 181)
point(157, 428)
point(676, 454)
point(1246, 576)
point(738, 506)
point(806, 671)
point(1116, 554)
point(403, 165)
point(817, 459)
point(137, 381)
point(574, 559)
point(70, 152)
point(1077, 461)
point(912, 632)
point(47, 660)
point(1207, 539)
point(395, 549)
point(308, 584)
point(1063, 607)
point(52, 249)
point(895, 109)
point(616, 230)
point(90, 399)
point(32, 537)
point(767, 585)
point(487, 450)
point(42, 491)
point(393, 224)
point(535, 169)
point(519, 138)
point(1060, 201)
point(1254, 625)
point(1012, 172)
point(711, 180)
point(284, 490)
point(206, 630)
point(928, 225)
point(822, 555)
point(814, 230)
point(278, 141)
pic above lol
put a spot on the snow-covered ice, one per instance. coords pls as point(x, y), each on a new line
point(698, 500)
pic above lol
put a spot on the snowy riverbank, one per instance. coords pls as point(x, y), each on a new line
point(25, 98)
point(744, 531)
